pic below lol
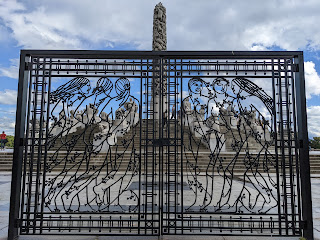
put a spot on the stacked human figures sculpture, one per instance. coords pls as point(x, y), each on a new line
point(159, 43)
point(159, 28)
point(221, 121)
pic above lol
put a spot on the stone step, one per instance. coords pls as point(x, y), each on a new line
point(235, 169)
point(128, 154)
point(199, 161)
point(314, 163)
point(202, 164)
point(8, 167)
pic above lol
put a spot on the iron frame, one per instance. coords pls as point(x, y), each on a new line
point(304, 168)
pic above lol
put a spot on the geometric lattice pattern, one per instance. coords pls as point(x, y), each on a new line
point(211, 148)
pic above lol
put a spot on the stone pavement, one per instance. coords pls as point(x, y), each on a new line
point(315, 182)
point(5, 179)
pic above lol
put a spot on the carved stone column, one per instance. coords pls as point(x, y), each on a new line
point(159, 43)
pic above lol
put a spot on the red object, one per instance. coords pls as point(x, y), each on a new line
point(3, 136)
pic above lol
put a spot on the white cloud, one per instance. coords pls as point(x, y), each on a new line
point(242, 25)
point(258, 48)
point(4, 35)
point(312, 79)
point(74, 24)
point(8, 111)
point(8, 97)
point(314, 120)
point(192, 25)
point(12, 71)
point(7, 125)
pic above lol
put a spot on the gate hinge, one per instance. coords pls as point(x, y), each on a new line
point(17, 223)
point(27, 66)
point(295, 67)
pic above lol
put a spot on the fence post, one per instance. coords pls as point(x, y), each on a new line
point(303, 142)
point(13, 232)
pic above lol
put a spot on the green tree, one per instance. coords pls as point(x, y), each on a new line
point(10, 141)
point(315, 143)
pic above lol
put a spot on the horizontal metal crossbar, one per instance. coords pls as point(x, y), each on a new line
point(158, 143)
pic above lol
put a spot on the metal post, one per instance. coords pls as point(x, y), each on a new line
point(18, 149)
point(303, 149)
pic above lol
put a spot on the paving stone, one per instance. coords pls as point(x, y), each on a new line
point(4, 211)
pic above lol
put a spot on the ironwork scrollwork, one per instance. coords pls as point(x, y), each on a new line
point(220, 116)
point(78, 136)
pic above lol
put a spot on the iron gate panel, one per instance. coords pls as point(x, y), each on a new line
point(83, 150)
point(156, 143)
point(253, 189)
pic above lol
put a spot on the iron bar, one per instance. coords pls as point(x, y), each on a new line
point(107, 162)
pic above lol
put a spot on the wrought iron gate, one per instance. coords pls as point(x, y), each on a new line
point(156, 143)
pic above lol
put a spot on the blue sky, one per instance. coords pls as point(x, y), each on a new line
point(127, 25)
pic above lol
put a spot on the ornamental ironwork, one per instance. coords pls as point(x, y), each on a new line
point(217, 148)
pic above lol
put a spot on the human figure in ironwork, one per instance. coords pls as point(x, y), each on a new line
point(79, 185)
point(70, 94)
point(82, 122)
point(216, 94)
point(112, 181)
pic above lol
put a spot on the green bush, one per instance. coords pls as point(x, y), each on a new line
point(10, 141)
point(315, 143)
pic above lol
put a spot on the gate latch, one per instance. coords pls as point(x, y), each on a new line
point(161, 142)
